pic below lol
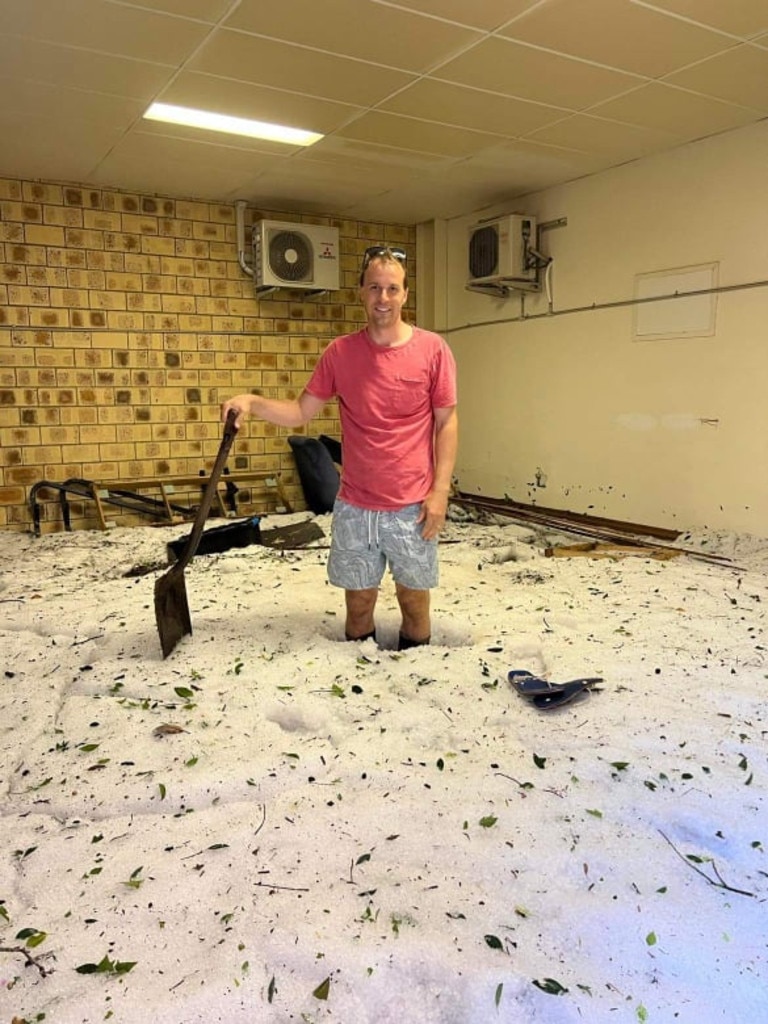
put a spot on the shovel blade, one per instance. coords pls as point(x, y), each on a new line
point(172, 609)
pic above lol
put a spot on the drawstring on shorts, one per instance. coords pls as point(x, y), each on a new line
point(373, 529)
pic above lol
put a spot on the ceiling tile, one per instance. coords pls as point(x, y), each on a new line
point(294, 68)
point(386, 36)
point(80, 69)
point(470, 108)
point(593, 135)
point(108, 28)
point(58, 102)
point(618, 34)
point(205, 10)
point(396, 207)
point(281, 191)
point(372, 159)
point(472, 186)
point(739, 76)
point(513, 69)
point(677, 111)
point(242, 99)
point(491, 178)
point(345, 171)
point(743, 18)
point(178, 167)
point(525, 167)
point(488, 15)
point(420, 136)
point(54, 149)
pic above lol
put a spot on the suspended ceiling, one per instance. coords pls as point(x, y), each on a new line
point(429, 108)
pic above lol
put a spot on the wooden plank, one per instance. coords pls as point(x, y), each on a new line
point(600, 549)
point(565, 515)
point(528, 514)
point(101, 491)
point(189, 481)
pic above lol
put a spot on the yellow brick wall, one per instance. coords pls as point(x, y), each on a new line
point(126, 319)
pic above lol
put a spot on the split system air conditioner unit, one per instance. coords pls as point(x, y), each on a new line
point(502, 255)
point(288, 255)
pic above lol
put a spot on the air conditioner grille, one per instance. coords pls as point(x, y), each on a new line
point(295, 255)
point(290, 256)
point(484, 251)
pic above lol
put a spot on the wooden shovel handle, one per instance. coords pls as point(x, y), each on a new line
point(205, 506)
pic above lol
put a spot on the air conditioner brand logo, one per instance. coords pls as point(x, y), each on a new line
point(327, 251)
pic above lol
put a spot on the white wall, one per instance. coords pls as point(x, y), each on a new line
point(667, 432)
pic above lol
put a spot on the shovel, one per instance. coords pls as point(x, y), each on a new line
point(171, 606)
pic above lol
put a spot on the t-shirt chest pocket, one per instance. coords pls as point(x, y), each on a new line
point(407, 394)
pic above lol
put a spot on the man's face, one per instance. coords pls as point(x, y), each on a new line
point(383, 293)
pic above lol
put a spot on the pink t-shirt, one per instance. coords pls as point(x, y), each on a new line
point(386, 401)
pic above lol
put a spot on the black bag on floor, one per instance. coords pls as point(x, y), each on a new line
point(317, 473)
point(221, 538)
point(333, 446)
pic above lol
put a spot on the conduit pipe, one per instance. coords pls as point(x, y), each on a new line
point(525, 317)
point(240, 206)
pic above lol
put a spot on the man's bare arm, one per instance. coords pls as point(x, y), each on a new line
point(283, 412)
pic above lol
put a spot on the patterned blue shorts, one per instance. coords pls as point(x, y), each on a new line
point(364, 543)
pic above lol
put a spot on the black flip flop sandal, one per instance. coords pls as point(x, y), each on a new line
point(529, 685)
point(562, 695)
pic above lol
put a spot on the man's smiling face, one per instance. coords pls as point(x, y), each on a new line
point(383, 292)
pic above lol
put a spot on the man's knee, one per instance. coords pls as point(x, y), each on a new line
point(415, 602)
point(414, 608)
point(360, 605)
point(361, 602)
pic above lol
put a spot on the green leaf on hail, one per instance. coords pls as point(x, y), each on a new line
point(323, 989)
point(550, 986)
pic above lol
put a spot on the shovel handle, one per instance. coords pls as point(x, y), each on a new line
point(205, 505)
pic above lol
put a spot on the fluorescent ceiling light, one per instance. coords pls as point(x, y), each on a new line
point(231, 125)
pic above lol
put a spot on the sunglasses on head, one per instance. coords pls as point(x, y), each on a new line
point(376, 251)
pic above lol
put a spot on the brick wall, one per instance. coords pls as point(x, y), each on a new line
point(126, 319)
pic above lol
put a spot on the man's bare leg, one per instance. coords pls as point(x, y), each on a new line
point(360, 605)
point(414, 608)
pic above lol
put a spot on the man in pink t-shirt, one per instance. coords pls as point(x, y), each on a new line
point(396, 388)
